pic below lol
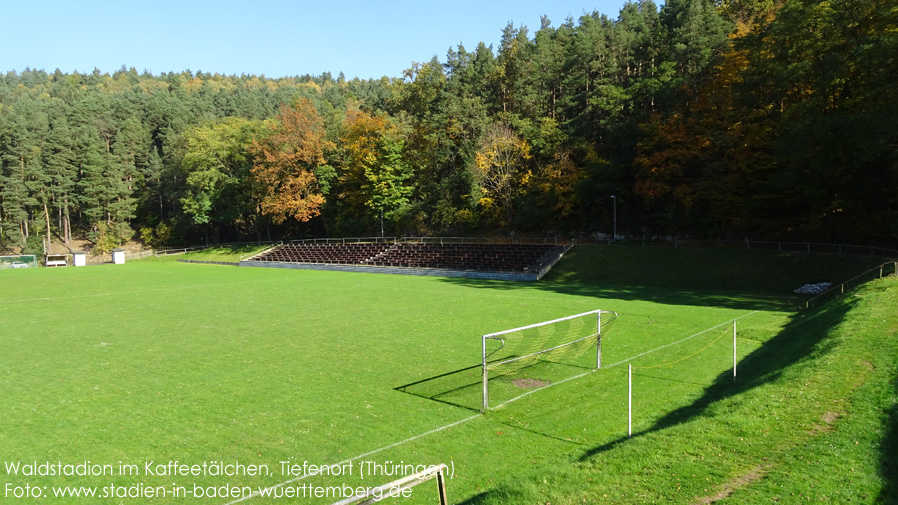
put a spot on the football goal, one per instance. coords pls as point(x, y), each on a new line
point(520, 360)
point(20, 261)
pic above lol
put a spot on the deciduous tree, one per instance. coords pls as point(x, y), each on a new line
point(286, 157)
point(500, 168)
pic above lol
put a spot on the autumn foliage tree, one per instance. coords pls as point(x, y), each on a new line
point(375, 171)
point(500, 167)
point(287, 157)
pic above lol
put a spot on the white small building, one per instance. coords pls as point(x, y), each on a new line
point(79, 258)
point(118, 256)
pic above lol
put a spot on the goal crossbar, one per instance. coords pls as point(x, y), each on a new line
point(574, 337)
point(545, 323)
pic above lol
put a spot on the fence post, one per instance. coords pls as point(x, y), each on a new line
point(441, 487)
point(734, 351)
point(629, 401)
point(485, 378)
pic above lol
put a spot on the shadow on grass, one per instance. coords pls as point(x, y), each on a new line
point(461, 388)
point(799, 341)
point(464, 387)
point(796, 343)
point(723, 277)
point(664, 295)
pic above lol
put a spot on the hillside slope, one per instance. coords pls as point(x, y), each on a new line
point(813, 416)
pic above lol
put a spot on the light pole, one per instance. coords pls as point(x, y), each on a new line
point(614, 232)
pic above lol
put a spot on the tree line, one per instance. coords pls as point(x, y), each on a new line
point(761, 118)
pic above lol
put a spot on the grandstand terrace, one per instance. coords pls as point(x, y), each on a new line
point(473, 260)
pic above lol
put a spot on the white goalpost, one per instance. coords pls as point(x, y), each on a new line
point(520, 352)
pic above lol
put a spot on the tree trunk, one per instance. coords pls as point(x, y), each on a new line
point(67, 221)
point(47, 217)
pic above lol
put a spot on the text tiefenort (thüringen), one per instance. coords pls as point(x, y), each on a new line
point(35, 479)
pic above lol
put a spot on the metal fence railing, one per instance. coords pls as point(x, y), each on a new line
point(432, 240)
point(779, 246)
point(483, 240)
point(837, 290)
point(344, 240)
point(97, 259)
point(182, 250)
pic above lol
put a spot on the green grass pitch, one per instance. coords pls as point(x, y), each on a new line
point(154, 362)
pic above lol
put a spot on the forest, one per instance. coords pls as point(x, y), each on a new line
point(769, 119)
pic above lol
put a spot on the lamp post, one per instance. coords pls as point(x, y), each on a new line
point(614, 232)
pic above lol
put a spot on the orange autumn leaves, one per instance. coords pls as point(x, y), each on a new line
point(286, 159)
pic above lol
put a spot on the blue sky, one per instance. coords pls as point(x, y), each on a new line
point(275, 38)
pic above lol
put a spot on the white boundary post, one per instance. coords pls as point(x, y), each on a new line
point(486, 392)
point(734, 351)
point(599, 341)
point(630, 401)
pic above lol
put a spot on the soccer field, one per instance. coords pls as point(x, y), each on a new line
point(111, 374)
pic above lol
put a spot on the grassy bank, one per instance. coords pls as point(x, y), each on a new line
point(811, 417)
point(718, 269)
point(232, 253)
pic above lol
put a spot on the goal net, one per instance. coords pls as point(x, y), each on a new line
point(20, 261)
point(520, 360)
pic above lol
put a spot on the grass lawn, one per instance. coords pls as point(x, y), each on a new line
point(156, 361)
point(232, 253)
